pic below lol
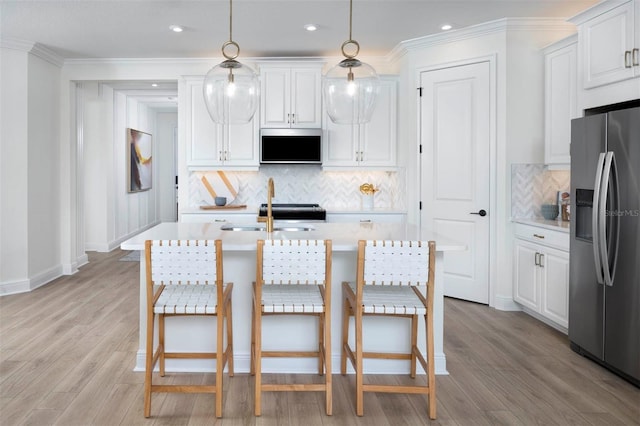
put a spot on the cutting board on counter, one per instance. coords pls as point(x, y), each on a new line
point(218, 184)
point(227, 207)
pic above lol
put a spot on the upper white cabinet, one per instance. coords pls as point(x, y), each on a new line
point(371, 144)
point(560, 99)
point(211, 145)
point(291, 95)
point(609, 40)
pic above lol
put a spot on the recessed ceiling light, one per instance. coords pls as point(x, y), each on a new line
point(154, 84)
point(446, 27)
point(176, 28)
point(311, 27)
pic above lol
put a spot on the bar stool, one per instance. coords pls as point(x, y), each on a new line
point(388, 279)
point(293, 278)
point(188, 280)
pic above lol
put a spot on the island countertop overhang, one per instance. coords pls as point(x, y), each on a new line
point(344, 236)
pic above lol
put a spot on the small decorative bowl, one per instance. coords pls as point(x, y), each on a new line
point(220, 201)
point(550, 211)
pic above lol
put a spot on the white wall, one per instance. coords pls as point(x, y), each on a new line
point(29, 209)
point(514, 48)
point(112, 214)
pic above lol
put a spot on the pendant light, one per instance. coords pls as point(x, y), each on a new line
point(350, 88)
point(231, 89)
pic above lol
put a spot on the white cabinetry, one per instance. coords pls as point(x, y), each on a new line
point(219, 217)
point(211, 145)
point(560, 99)
point(372, 144)
point(609, 40)
point(366, 217)
point(291, 95)
point(541, 274)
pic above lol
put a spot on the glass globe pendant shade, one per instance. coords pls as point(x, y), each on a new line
point(231, 92)
point(350, 90)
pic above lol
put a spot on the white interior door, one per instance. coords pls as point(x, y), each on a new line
point(455, 135)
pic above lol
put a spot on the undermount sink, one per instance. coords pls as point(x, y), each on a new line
point(260, 227)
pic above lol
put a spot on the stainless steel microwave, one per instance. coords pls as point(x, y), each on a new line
point(291, 146)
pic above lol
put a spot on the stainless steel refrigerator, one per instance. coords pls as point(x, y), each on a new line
point(604, 290)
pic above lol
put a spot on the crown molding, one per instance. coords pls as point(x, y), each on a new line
point(486, 28)
point(595, 10)
point(36, 49)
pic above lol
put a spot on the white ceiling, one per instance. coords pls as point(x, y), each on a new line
point(140, 28)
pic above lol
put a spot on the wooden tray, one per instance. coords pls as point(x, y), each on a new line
point(227, 207)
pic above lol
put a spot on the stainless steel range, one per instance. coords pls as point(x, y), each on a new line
point(295, 212)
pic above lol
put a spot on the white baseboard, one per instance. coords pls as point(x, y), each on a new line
point(503, 303)
point(30, 284)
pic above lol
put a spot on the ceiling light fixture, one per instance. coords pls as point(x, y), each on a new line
point(311, 27)
point(176, 28)
point(350, 97)
point(446, 27)
point(154, 84)
point(231, 89)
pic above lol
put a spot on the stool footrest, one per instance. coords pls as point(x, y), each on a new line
point(284, 354)
point(190, 355)
point(183, 388)
point(294, 387)
point(396, 389)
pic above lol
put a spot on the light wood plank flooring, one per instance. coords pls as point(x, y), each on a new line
point(67, 352)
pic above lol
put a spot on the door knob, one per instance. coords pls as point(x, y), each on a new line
point(480, 212)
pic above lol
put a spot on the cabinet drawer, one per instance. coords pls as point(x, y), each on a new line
point(543, 236)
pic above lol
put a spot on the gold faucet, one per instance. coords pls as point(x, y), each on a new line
point(270, 194)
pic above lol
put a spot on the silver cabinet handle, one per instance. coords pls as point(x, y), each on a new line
point(220, 220)
point(627, 59)
point(219, 155)
point(293, 118)
point(541, 260)
point(635, 54)
point(536, 259)
point(539, 236)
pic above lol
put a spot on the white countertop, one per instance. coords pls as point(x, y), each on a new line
point(344, 236)
point(555, 225)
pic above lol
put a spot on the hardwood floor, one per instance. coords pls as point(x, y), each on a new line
point(67, 351)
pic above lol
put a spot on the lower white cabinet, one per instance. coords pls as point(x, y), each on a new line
point(219, 217)
point(541, 274)
point(366, 217)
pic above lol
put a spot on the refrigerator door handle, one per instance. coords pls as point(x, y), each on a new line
point(609, 167)
point(595, 219)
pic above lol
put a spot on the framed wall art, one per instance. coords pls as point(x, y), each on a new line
point(140, 160)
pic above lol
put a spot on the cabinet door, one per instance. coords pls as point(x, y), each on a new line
point(365, 217)
point(378, 137)
point(275, 97)
point(604, 41)
point(526, 274)
point(204, 137)
point(340, 144)
point(306, 98)
point(560, 103)
point(241, 148)
point(555, 286)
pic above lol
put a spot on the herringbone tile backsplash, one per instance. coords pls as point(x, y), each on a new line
point(533, 185)
point(309, 184)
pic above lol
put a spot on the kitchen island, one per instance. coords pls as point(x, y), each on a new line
point(239, 262)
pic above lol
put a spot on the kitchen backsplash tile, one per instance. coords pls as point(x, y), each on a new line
point(533, 185)
point(309, 184)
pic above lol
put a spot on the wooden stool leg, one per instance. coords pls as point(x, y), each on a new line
point(148, 375)
point(359, 364)
point(431, 374)
point(252, 354)
point(327, 361)
point(321, 354)
point(258, 361)
point(229, 315)
point(161, 342)
point(414, 344)
point(345, 336)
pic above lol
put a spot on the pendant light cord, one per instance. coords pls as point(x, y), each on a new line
point(350, 17)
point(230, 20)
